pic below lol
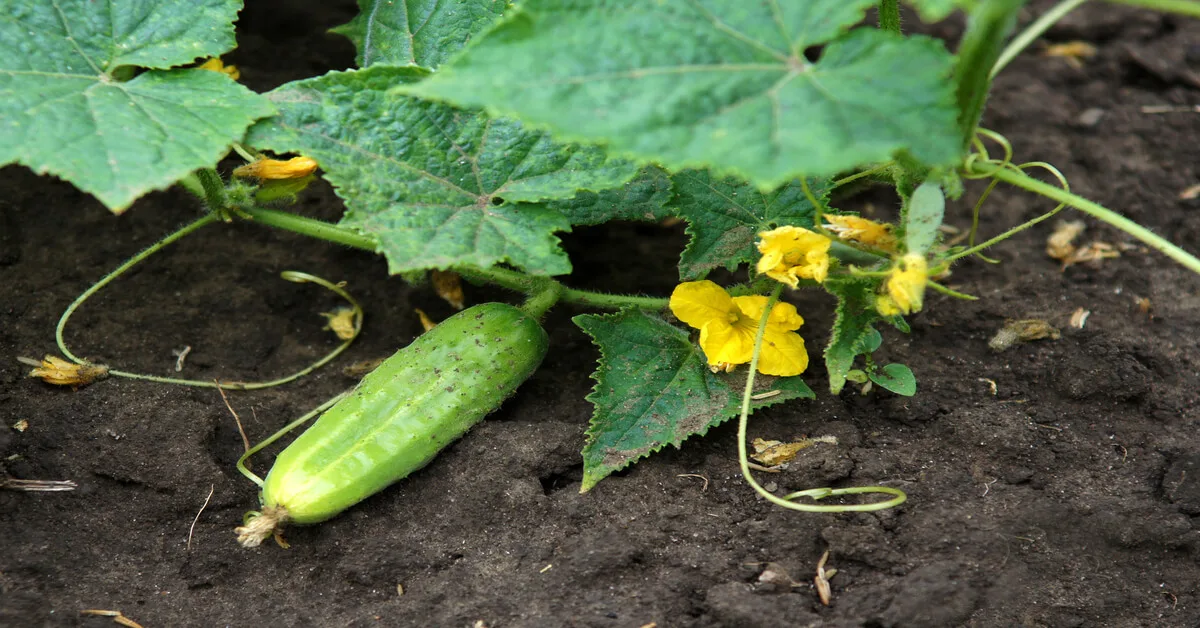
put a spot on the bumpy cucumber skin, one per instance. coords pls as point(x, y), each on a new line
point(405, 411)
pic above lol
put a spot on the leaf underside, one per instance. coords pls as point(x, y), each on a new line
point(725, 84)
point(654, 388)
point(63, 112)
point(434, 185)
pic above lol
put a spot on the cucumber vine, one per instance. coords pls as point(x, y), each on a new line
point(468, 145)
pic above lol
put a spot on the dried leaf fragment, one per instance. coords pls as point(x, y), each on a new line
point(821, 581)
point(448, 285)
point(1079, 318)
point(1073, 52)
point(21, 425)
point(775, 577)
point(774, 453)
point(1190, 192)
point(1061, 243)
point(360, 369)
point(1093, 252)
point(1017, 331)
point(116, 617)
point(426, 322)
point(57, 371)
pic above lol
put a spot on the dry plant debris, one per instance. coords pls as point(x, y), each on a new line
point(57, 371)
point(1079, 318)
point(1061, 246)
point(1073, 52)
point(341, 322)
point(774, 453)
point(1016, 332)
point(448, 286)
point(116, 616)
point(824, 592)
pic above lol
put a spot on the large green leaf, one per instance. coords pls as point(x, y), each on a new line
point(434, 185)
point(416, 32)
point(66, 110)
point(721, 83)
point(725, 216)
point(654, 388)
point(643, 198)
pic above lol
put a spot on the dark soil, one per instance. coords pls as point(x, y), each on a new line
point(1065, 495)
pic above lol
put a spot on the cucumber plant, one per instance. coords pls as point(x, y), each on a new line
point(471, 133)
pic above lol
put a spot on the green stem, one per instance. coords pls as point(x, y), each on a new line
point(214, 189)
point(543, 299)
point(503, 277)
point(1184, 7)
point(898, 496)
point(1032, 32)
point(154, 248)
point(293, 276)
point(310, 227)
point(889, 15)
point(1151, 239)
point(989, 24)
point(865, 173)
point(241, 463)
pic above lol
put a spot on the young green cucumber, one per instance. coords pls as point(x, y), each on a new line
point(401, 414)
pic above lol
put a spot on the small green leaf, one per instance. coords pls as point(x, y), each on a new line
point(416, 32)
point(725, 216)
point(434, 185)
point(64, 112)
point(720, 83)
point(643, 198)
point(852, 330)
point(870, 342)
point(654, 388)
point(897, 378)
point(923, 217)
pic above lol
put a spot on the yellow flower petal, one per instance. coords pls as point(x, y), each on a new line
point(698, 302)
point(783, 316)
point(726, 343)
point(216, 65)
point(906, 285)
point(859, 229)
point(783, 354)
point(793, 253)
point(269, 169)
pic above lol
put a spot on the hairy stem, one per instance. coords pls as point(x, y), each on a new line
point(503, 277)
point(987, 27)
point(889, 15)
point(1032, 32)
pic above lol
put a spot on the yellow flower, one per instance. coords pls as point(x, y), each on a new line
point(215, 65)
point(858, 229)
point(57, 371)
point(790, 254)
point(342, 322)
point(270, 169)
point(728, 325)
point(905, 287)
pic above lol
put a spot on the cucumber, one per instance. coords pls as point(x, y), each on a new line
point(400, 416)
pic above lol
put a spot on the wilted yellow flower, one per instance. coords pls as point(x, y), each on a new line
point(341, 322)
point(57, 371)
point(448, 285)
point(859, 229)
point(790, 254)
point(728, 325)
point(215, 65)
point(905, 287)
point(269, 169)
